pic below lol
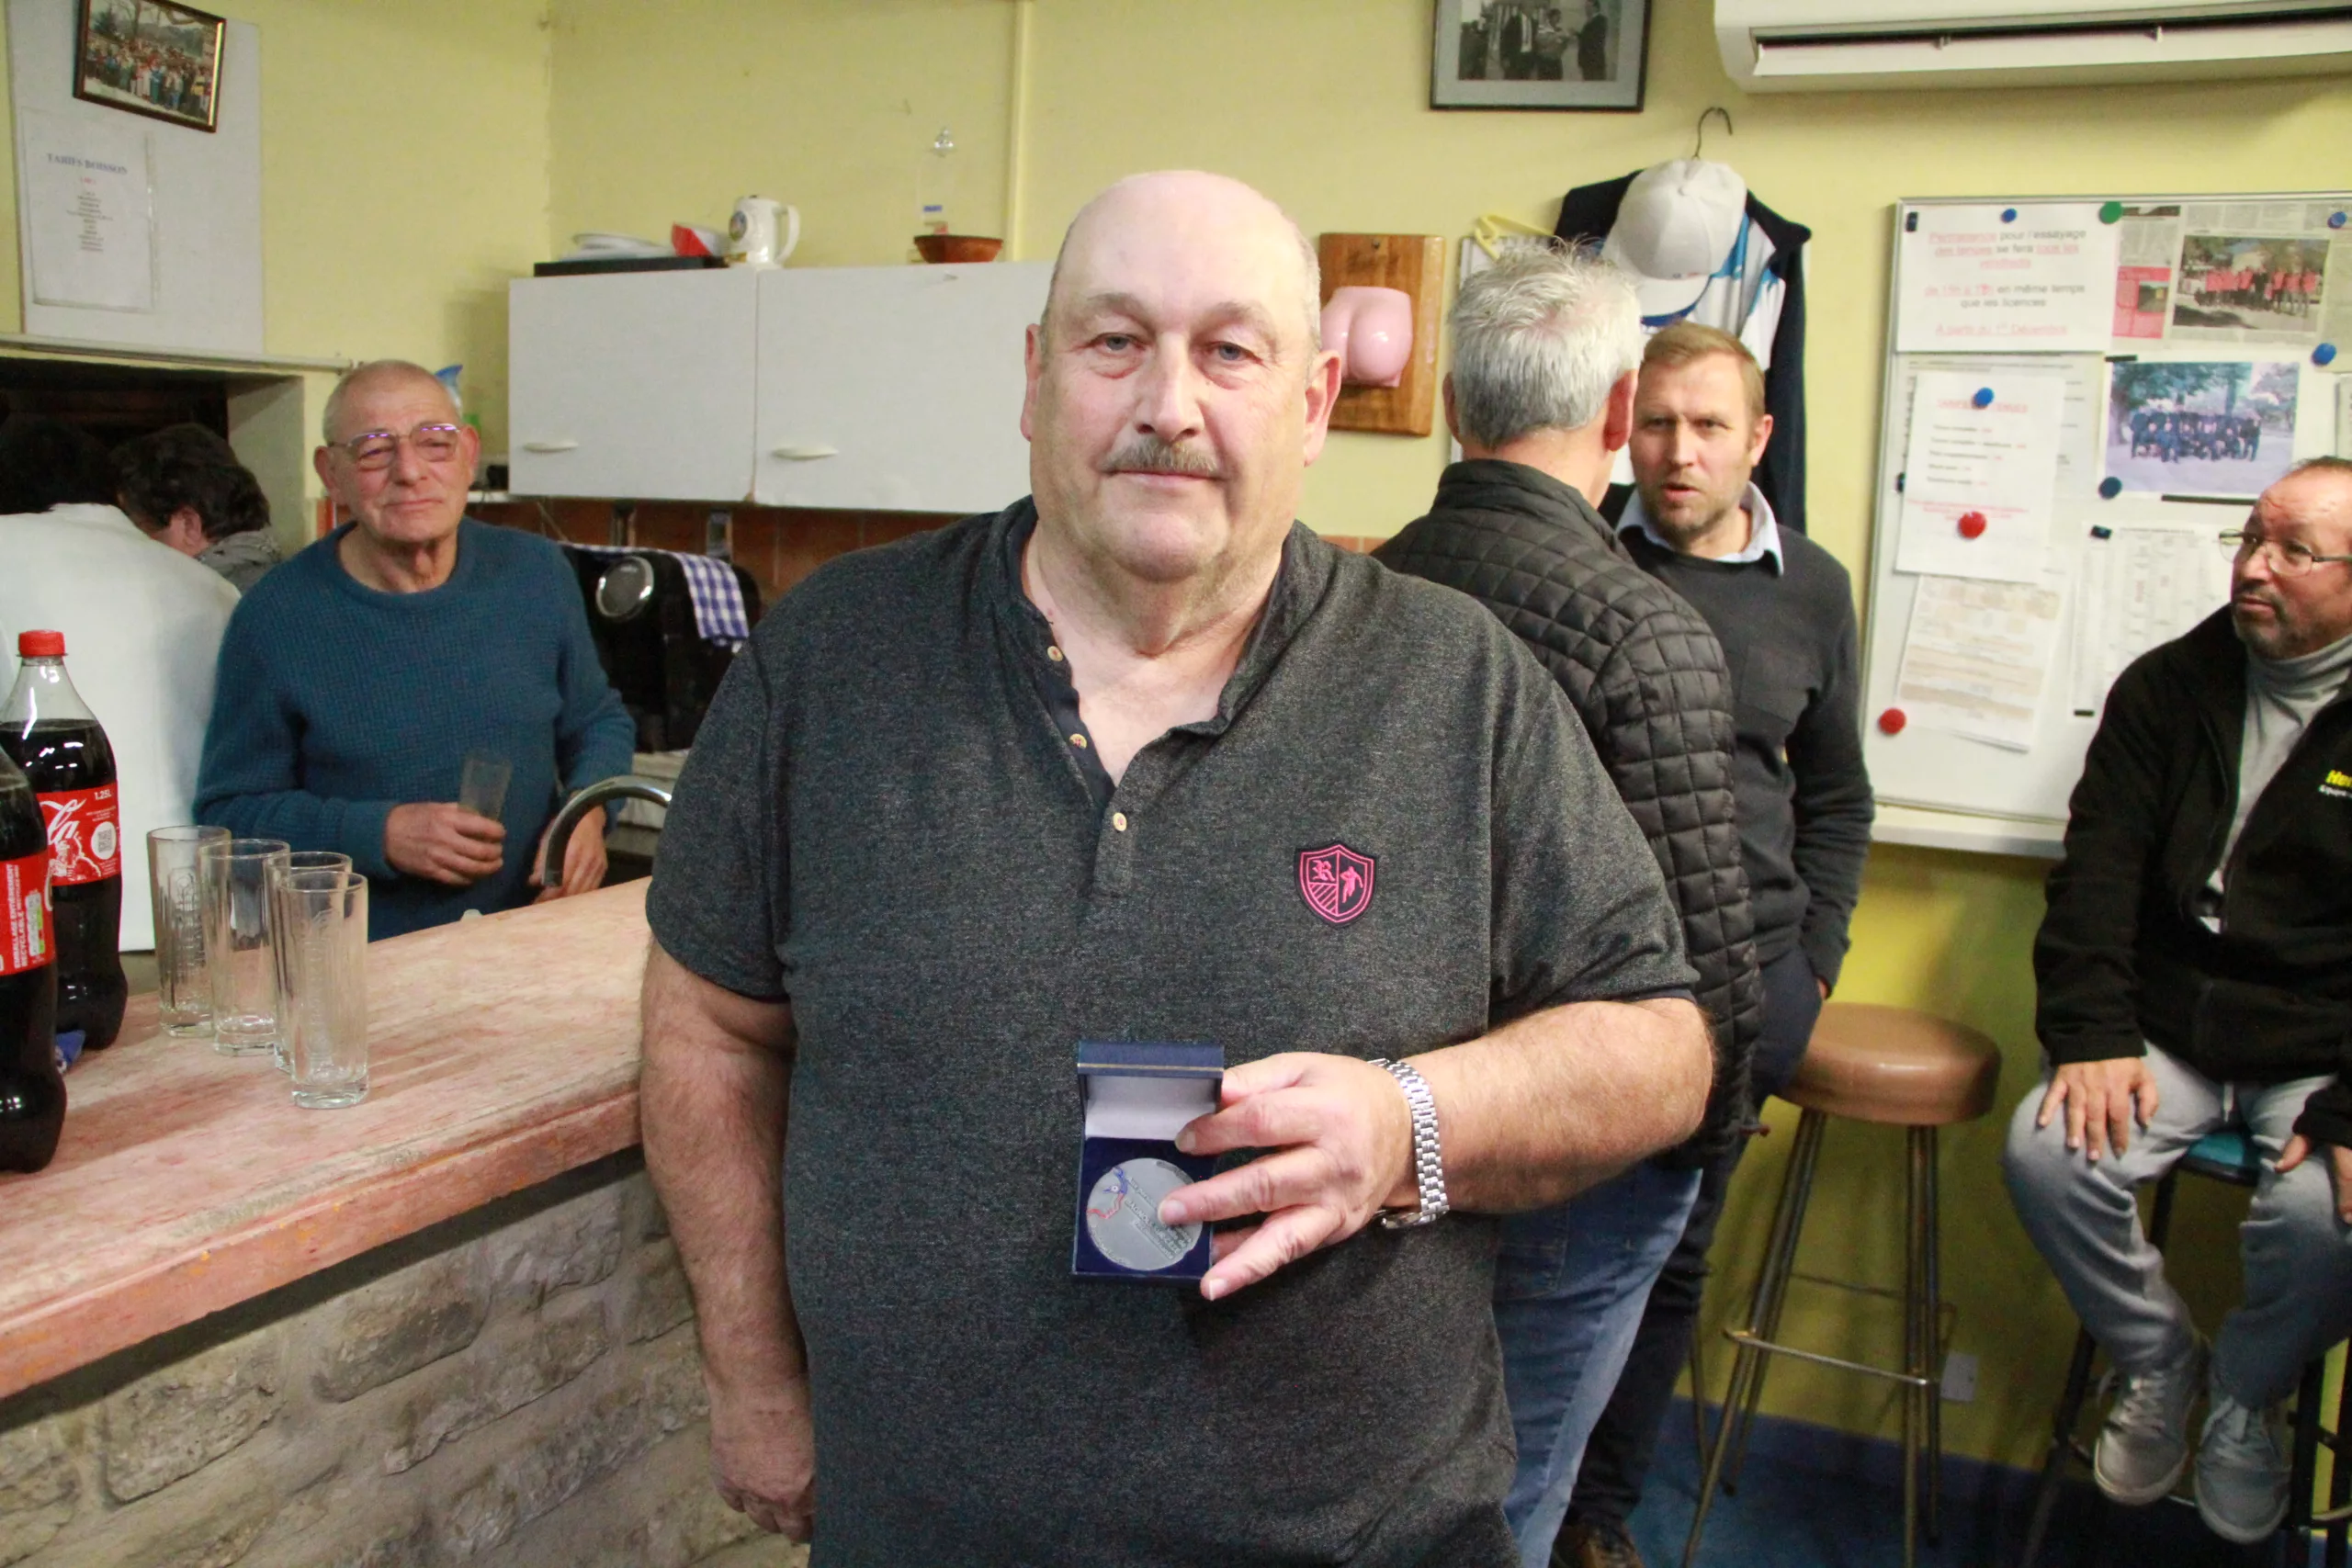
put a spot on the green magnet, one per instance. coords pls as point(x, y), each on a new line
point(2110, 212)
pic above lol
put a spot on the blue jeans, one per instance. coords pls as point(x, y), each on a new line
point(1570, 1283)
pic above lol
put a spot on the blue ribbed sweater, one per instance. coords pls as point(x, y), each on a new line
point(335, 702)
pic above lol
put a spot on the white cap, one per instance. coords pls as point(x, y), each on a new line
point(1677, 223)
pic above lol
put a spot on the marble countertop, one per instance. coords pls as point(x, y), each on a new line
point(502, 1051)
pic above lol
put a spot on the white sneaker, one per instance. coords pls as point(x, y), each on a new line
point(2144, 1447)
point(2242, 1472)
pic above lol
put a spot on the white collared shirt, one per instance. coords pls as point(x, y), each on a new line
point(1763, 529)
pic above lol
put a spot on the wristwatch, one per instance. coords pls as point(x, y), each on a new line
point(1428, 1165)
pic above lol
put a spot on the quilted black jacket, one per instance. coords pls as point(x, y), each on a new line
point(1648, 678)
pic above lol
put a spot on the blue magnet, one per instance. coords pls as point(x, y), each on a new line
point(2109, 488)
point(2008, 215)
point(2099, 531)
point(2336, 220)
point(1984, 398)
point(2323, 355)
point(1911, 222)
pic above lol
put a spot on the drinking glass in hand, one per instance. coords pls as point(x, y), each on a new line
point(240, 943)
point(298, 860)
point(323, 932)
point(483, 788)
point(183, 983)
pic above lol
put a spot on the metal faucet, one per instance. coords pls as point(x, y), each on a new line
point(626, 786)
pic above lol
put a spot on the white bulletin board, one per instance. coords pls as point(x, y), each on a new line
point(2081, 393)
point(175, 213)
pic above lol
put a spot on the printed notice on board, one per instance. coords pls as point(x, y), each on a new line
point(91, 212)
point(2039, 276)
point(1978, 656)
point(2138, 587)
point(1980, 474)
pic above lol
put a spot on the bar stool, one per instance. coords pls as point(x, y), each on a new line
point(1897, 1068)
point(2227, 1155)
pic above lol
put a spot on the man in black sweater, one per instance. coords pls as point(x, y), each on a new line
point(2194, 973)
point(1545, 349)
point(1784, 609)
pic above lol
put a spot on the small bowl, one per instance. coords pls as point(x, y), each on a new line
point(938, 248)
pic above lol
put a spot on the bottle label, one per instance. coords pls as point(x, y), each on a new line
point(85, 836)
point(25, 941)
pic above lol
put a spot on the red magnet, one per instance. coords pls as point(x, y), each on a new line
point(1971, 525)
point(1891, 721)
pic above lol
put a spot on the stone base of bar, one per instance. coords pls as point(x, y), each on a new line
point(513, 1388)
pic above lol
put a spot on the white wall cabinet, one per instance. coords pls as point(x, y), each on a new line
point(894, 388)
point(882, 388)
point(635, 384)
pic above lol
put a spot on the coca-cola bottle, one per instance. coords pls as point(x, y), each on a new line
point(49, 733)
point(32, 1094)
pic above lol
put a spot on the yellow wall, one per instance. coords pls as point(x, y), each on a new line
point(404, 180)
point(1324, 104)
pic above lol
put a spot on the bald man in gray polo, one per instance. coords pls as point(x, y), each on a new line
point(1140, 759)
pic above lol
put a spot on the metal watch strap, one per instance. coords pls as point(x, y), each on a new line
point(1428, 1165)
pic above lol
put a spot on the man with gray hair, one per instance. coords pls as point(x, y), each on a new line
point(1547, 347)
point(357, 679)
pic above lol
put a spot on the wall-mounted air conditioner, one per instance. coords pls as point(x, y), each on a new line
point(1770, 45)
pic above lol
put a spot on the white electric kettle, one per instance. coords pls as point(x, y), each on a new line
point(754, 232)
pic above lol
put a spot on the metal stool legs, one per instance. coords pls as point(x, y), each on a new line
point(1922, 1421)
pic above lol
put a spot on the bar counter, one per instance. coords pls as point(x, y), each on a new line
point(502, 1051)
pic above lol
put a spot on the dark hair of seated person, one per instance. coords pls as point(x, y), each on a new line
point(186, 465)
point(45, 462)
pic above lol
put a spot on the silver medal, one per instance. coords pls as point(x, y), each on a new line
point(1123, 1216)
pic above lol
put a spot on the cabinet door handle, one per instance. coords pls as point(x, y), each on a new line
point(551, 446)
point(803, 454)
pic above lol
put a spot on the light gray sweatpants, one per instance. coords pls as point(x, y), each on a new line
point(2298, 1260)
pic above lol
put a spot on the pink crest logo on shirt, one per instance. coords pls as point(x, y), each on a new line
point(1336, 882)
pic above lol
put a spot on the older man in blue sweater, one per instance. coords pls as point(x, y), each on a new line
point(355, 679)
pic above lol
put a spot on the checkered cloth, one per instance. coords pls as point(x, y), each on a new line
point(711, 585)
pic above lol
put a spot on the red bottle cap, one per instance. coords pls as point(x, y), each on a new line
point(1971, 525)
point(40, 645)
point(1891, 721)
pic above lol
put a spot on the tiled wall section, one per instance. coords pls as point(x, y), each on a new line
point(776, 545)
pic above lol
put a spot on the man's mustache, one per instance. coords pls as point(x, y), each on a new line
point(1151, 454)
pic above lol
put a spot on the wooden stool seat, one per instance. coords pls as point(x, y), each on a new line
point(1896, 1066)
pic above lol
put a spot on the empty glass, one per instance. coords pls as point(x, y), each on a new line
point(240, 941)
point(299, 860)
point(322, 933)
point(483, 788)
point(183, 984)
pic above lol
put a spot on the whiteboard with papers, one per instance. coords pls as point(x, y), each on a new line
point(2081, 394)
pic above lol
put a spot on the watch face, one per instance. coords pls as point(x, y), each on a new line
point(1123, 1216)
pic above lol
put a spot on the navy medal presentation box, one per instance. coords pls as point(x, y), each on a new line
point(1138, 1096)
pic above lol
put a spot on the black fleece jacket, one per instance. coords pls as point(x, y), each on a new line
point(2122, 956)
point(1648, 677)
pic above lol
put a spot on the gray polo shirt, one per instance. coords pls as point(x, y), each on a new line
point(882, 822)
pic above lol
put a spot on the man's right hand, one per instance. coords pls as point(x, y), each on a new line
point(763, 1457)
point(2100, 1101)
point(443, 841)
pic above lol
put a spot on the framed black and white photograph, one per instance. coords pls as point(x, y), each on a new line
point(151, 58)
point(1540, 54)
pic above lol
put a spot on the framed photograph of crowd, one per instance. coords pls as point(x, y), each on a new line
point(1539, 54)
point(151, 58)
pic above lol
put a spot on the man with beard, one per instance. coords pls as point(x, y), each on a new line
point(2195, 970)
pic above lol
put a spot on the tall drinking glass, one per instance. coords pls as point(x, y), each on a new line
point(241, 942)
point(322, 931)
point(297, 860)
point(183, 984)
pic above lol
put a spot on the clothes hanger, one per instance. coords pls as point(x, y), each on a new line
point(1698, 143)
point(1494, 228)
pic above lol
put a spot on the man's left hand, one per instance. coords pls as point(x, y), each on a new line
point(2339, 1161)
point(1338, 1139)
point(584, 859)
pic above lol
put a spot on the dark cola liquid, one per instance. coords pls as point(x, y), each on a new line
point(32, 1094)
point(73, 754)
